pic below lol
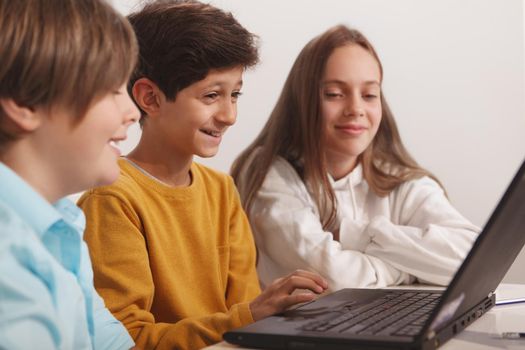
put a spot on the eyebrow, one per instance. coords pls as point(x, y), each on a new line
point(340, 82)
point(221, 83)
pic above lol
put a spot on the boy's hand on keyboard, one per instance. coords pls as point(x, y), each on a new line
point(279, 296)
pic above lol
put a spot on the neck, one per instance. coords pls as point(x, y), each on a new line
point(35, 171)
point(340, 166)
point(154, 157)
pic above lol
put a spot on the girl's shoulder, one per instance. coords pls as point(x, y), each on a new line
point(282, 170)
point(417, 189)
point(282, 177)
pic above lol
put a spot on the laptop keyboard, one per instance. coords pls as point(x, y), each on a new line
point(402, 314)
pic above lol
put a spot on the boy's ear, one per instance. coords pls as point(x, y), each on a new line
point(20, 118)
point(147, 95)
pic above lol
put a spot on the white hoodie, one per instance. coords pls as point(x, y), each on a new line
point(413, 233)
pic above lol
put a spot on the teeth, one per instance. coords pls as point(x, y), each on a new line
point(212, 133)
point(113, 143)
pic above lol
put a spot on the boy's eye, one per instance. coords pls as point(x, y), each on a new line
point(236, 95)
point(211, 96)
point(120, 90)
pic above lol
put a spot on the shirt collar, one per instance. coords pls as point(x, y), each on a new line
point(33, 208)
point(355, 177)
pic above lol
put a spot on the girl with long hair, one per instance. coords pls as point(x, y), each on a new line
point(328, 185)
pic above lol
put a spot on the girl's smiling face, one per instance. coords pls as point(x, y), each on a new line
point(350, 106)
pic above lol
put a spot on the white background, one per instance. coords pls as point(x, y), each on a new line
point(454, 78)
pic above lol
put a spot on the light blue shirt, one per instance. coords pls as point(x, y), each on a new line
point(47, 298)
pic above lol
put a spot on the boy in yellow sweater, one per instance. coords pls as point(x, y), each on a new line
point(172, 249)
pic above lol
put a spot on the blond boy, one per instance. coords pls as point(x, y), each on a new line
point(63, 102)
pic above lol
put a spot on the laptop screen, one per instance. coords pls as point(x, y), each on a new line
point(491, 256)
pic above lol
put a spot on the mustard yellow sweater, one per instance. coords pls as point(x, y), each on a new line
point(175, 265)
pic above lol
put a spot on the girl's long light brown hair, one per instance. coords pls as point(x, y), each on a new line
point(294, 131)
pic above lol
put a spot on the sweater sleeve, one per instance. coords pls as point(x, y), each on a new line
point(124, 279)
point(289, 232)
point(427, 237)
point(243, 283)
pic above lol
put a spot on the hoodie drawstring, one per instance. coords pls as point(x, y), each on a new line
point(352, 194)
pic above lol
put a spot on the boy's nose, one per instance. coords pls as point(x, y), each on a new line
point(132, 113)
point(228, 114)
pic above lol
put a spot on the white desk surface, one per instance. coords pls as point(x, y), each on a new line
point(484, 333)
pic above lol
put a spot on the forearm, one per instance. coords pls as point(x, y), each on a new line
point(243, 282)
point(188, 333)
point(432, 254)
point(421, 233)
point(302, 244)
point(110, 334)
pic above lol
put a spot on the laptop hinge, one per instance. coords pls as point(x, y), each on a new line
point(431, 335)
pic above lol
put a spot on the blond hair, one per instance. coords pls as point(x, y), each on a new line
point(62, 53)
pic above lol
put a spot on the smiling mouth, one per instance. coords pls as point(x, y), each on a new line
point(114, 144)
point(351, 128)
point(212, 133)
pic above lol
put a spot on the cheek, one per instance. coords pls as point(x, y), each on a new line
point(375, 117)
point(328, 111)
point(329, 119)
point(104, 131)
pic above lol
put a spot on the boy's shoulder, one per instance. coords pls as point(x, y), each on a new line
point(210, 174)
point(132, 184)
point(212, 179)
point(21, 248)
point(11, 225)
point(126, 186)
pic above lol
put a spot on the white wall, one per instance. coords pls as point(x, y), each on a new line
point(454, 77)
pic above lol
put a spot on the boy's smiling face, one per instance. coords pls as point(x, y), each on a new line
point(105, 124)
point(195, 122)
point(84, 155)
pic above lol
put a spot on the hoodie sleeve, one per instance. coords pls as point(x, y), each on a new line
point(425, 236)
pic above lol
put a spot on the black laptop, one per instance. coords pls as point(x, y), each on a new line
point(403, 319)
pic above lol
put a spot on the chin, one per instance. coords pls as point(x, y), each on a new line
point(108, 177)
point(208, 154)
